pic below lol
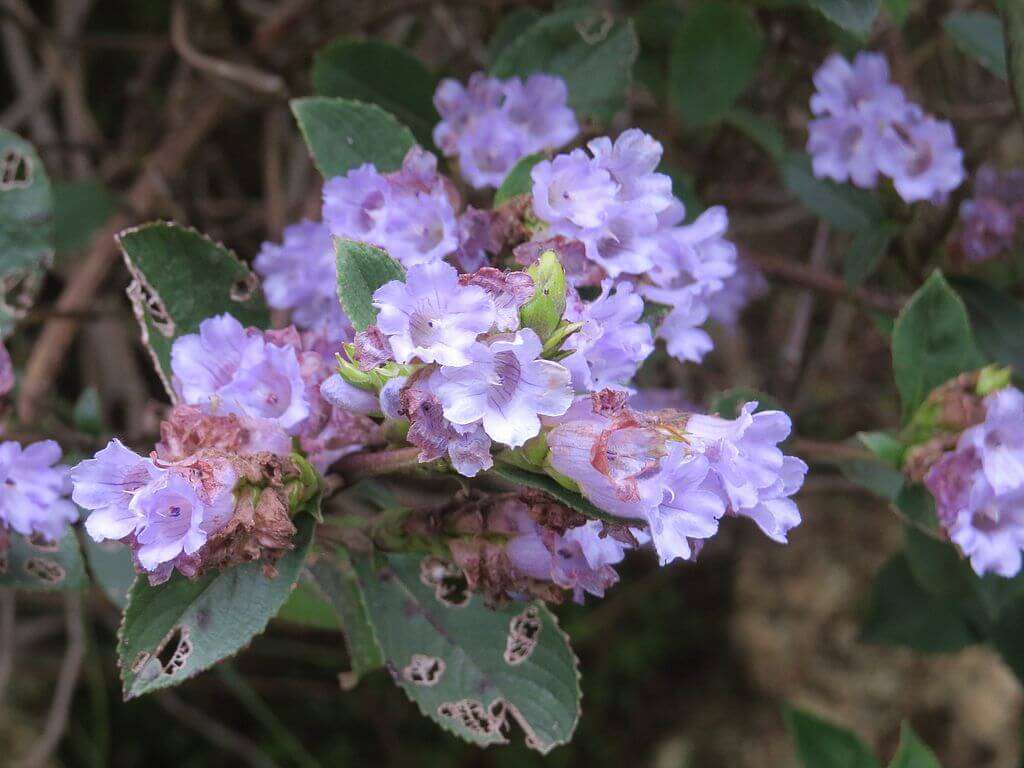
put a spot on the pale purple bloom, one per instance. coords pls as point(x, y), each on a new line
point(340, 394)
point(612, 343)
point(506, 387)
point(227, 369)
point(573, 190)
point(431, 316)
point(748, 469)
point(106, 485)
point(300, 275)
point(177, 518)
point(681, 329)
point(479, 238)
point(688, 512)
point(34, 490)
point(865, 126)
point(490, 124)
point(989, 219)
point(409, 213)
point(391, 397)
point(923, 158)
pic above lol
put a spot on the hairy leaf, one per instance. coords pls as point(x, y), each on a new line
point(378, 73)
point(176, 630)
point(342, 134)
point(471, 668)
point(866, 252)
point(931, 342)
point(37, 565)
point(715, 57)
point(587, 48)
point(362, 269)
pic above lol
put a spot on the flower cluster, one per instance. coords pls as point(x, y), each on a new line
point(979, 486)
point(489, 124)
point(989, 219)
point(33, 496)
point(866, 127)
point(612, 216)
point(679, 473)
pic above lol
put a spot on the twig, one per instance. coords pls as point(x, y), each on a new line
point(212, 730)
point(359, 465)
point(60, 708)
point(8, 605)
point(823, 452)
point(250, 77)
point(792, 352)
point(823, 282)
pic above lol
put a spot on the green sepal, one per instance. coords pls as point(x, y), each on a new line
point(544, 311)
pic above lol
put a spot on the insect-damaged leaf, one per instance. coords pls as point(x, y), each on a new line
point(472, 669)
point(31, 564)
point(26, 227)
point(173, 631)
point(180, 278)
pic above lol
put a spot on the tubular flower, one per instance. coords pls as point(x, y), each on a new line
point(33, 496)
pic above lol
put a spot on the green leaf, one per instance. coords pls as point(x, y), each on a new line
point(471, 668)
point(854, 16)
point(335, 580)
point(1013, 27)
point(518, 181)
point(844, 207)
point(39, 565)
point(1008, 636)
point(80, 208)
point(866, 253)
point(980, 36)
point(912, 752)
point(381, 74)
point(762, 132)
point(997, 319)
point(715, 57)
point(26, 227)
point(176, 630)
point(903, 613)
point(180, 278)
point(898, 10)
point(362, 269)
point(918, 506)
point(887, 447)
point(877, 477)
point(343, 134)
point(587, 48)
point(110, 563)
point(543, 312)
point(820, 744)
point(931, 343)
point(512, 25)
point(560, 493)
point(308, 608)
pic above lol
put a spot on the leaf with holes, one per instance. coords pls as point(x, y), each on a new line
point(342, 134)
point(32, 564)
point(855, 16)
point(381, 74)
point(180, 278)
point(26, 227)
point(334, 579)
point(587, 48)
point(518, 180)
point(176, 630)
point(471, 668)
point(931, 342)
point(362, 269)
point(980, 36)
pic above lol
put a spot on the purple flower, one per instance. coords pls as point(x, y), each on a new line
point(490, 124)
point(226, 369)
point(989, 219)
point(688, 511)
point(573, 190)
point(923, 158)
point(509, 291)
point(176, 518)
point(612, 343)
point(106, 485)
point(409, 213)
point(300, 275)
point(506, 387)
point(33, 499)
point(747, 468)
point(842, 87)
point(469, 450)
point(431, 316)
